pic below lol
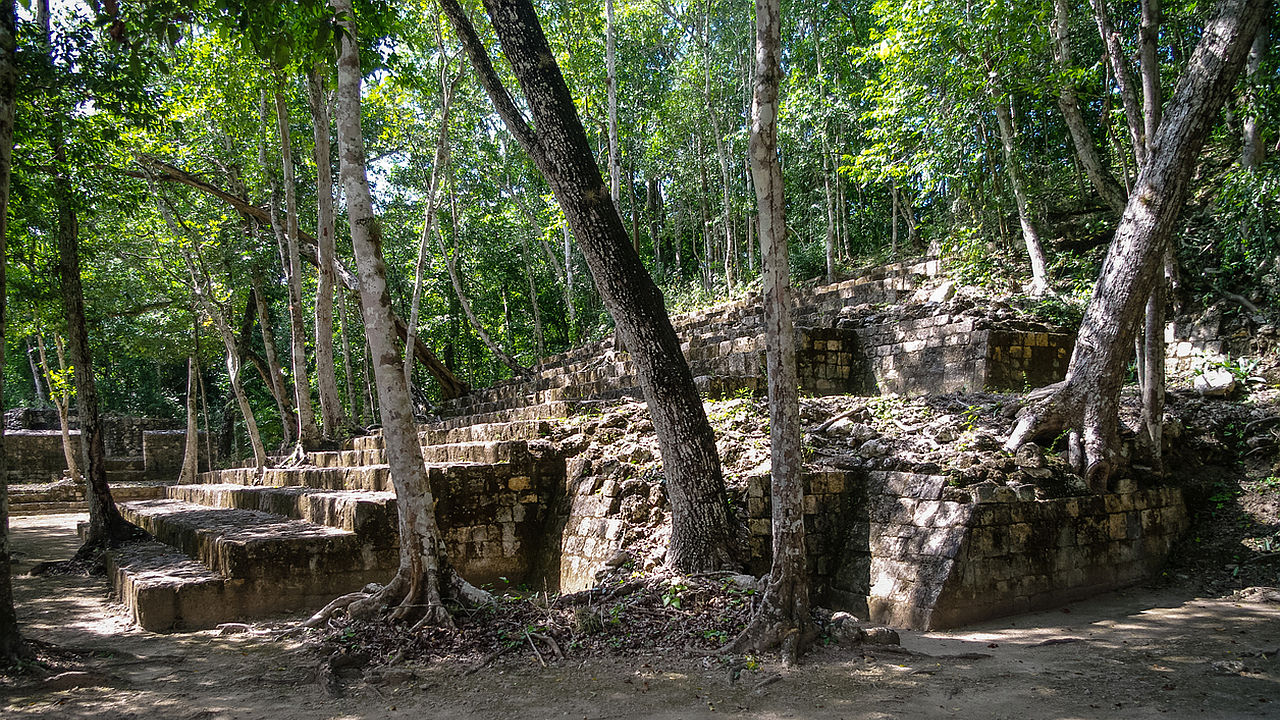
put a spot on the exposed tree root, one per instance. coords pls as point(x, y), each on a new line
point(773, 626)
point(1090, 419)
point(403, 600)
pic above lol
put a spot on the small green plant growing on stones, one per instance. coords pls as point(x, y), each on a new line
point(671, 596)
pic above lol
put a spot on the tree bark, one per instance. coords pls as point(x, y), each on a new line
point(611, 84)
point(353, 398)
point(191, 455)
point(307, 431)
point(331, 415)
point(1013, 166)
point(1086, 150)
point(61, 401)
point(702, 537)
point(783, 617)
point(417, 586)
point(277, 382)
point(12, 648)
point(42, 395)
point(1123, 75)
point(1148, 36)
point(429, 214)
point(1254, 150)
point(1087, 402)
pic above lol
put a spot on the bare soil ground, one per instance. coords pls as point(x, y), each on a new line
point(1154, 651)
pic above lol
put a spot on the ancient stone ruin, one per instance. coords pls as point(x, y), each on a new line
point(521, 500)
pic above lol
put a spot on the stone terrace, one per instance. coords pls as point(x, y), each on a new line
point(518, 503)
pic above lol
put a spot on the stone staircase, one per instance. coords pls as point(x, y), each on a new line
point(235, 547)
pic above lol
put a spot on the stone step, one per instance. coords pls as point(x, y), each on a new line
point(370, 514)
point(435, 434)
point(300, 558)
point(366, 477)
point(482, 451)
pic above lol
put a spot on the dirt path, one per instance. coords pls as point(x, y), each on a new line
point(1140, 653)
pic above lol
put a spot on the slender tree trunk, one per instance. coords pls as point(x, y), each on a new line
point(279, 383)
point(568, 282)
point(1254, 150)
point(783, 617)
point(353, 399)
point(1086, 150)
point(540, 348)
point(702, 537)
point(326, 250)
point(1087, 403)
point(417, 585)
point(307, 431)
point(1149, 61)
point(1013, 164)
point(12, 648)
point(438, 161)
point(42, 396)
point(191, 454)
point(456, 280)
point(61, 401)
point(611, 83)
point(1123, 75)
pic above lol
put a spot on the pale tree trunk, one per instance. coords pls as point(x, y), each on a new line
point(191, 454)
point(1151, 351)
point(1148, 35)
point(783, 617)
point(893, 220)
point(307, 431)
point(1086, 150)
point(1254, 150)
point(201, 288)
point(1013, 166)
point(540, 348)
point(353, 398)
point(429, 214)
point(563, 273)
point(568, 280)
point(418, 584)
point(42, 395)
point(1087, 403)
point(331, 415)
point(702, 537)
point(611, 83)
point(279, 384)
point(653, 199)
point(456, 280)
point(12, 648)
point(830, 246)
point(61, 401)
point(1125, 83)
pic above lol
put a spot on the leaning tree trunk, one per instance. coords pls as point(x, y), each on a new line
point(783, 617)
point(106, 526)
point(331, 416)
point(417, 586)
point(11, 646)
point(702, 537)
point(1087, 403)
point(307, 431)
point(1111, 192)
point(277, 382)
point(1017, 182)
point(1123, 75)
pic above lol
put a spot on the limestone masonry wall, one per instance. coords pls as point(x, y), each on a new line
point(907, 550)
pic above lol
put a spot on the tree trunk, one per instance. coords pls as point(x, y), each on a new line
point(353, 399)
point(61, 401)
point(783, 617)
point(1086, 150)
point(1149, 61)
point(12, 648)
point(331, 415)
point(456, 280)
point(417, 586)
point(1087, 403)
point(1013, 165)
point(1254, 150)
point(277, 382)
point(42, 395)
point(191, 455)
point(307, 431)
point(1123, 75)
point(429, 215)
point(540, 348)
point(702, 537)
point(611, 84)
